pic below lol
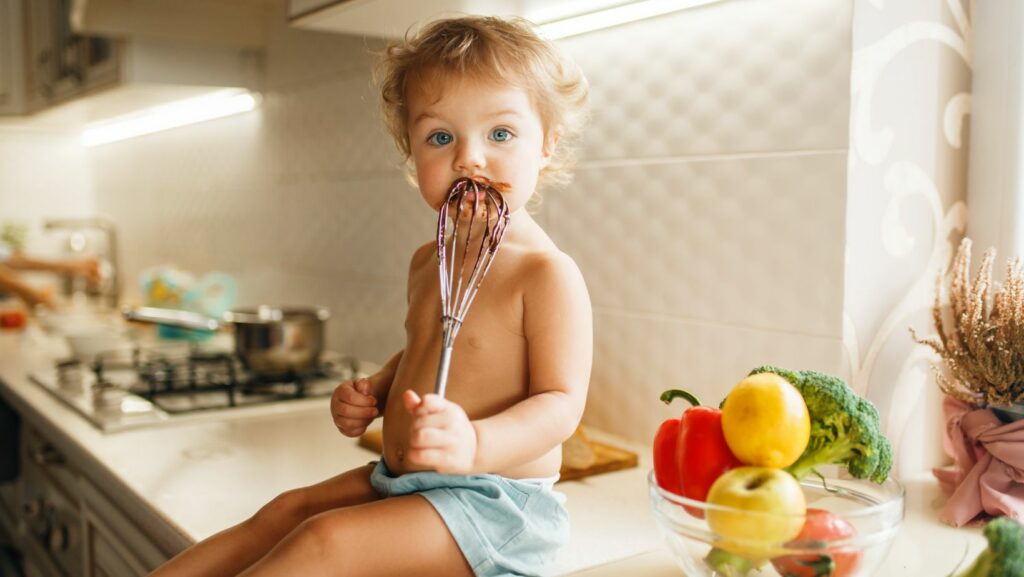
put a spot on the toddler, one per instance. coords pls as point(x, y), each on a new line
point(464, 485)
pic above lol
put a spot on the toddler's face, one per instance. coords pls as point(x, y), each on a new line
point(473, 128)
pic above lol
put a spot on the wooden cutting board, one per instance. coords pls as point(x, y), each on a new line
point(607, 457)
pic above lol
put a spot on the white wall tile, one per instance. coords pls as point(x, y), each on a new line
point(636, 357)
point(756, 242)
point(43, 175)
point(738, 76)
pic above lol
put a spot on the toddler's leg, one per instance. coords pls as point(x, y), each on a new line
point(395, 537)
point(235, 548)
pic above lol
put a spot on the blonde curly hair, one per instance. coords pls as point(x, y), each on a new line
point(491, 49)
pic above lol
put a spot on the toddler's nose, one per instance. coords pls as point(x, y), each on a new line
point(469, 159)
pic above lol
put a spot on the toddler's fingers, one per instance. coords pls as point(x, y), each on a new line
point(426, 457)
point(354, 412)
point(352, 396)
point(351, 428)
point(433, 404)
point(430, 420)
point(411, 400)
point(363, 386)
point(427, 438)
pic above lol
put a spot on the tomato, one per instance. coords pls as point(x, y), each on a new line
point(12, 319)
point(820, 528)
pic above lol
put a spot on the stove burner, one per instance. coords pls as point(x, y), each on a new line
point(185, 380)
point(154, 384)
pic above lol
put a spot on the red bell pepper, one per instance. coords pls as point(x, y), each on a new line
point(690, 453)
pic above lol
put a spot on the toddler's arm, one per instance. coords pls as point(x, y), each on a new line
point(558, 322)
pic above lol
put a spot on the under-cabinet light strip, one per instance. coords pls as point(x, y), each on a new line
point(615, 16)
point(216, 104)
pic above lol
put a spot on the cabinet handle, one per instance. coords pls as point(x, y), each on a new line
point(47, 455)
point(45, 86)
point(34, 508)
point(58, 540)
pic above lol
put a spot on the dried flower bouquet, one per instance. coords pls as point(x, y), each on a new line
point(984, 349)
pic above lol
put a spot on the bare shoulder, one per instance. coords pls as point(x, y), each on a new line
point(552, 275)
point(423, 259)
point(423, 256)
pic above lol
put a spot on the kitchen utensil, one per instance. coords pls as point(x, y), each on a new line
point(86, 343)
point(875, 511)
point(474, 201)
point(268, 340)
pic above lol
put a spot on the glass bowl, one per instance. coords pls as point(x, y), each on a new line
point(874, 511)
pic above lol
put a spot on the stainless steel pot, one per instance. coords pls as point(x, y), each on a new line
point(268, 340)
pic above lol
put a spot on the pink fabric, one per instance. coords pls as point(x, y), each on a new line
point(988, 478)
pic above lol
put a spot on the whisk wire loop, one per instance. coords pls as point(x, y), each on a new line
point(459, 291)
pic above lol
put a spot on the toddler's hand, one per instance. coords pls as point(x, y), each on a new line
point(442, 436)
point(353, 407)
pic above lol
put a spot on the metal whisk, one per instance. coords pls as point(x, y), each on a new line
point(484, 201)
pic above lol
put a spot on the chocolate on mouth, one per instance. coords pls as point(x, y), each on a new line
point(484, 182)
point(463, 201)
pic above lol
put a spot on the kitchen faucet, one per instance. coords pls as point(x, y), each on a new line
point(113, 291)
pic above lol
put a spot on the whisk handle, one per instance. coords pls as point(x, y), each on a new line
point(442, 371)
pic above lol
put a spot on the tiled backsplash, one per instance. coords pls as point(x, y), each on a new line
point(707, 214)
point(42, 176)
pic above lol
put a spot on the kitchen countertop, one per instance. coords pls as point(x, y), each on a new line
point(186, 481)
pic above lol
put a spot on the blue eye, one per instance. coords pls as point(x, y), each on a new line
point(439, 138)
point(501, 134)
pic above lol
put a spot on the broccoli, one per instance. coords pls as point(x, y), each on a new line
point(845, 428)
point(1004, 556)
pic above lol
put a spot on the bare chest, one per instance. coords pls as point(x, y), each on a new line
point(494, 320)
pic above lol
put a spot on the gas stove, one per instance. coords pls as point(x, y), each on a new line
point(159, 384)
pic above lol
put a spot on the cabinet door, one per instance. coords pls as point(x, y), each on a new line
point(41, 63)
point(106, 557)
point(114, 544)
point(12, 57)
point(61, 63)
point(35, 569)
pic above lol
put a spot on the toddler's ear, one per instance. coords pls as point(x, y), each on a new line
point(550, 144)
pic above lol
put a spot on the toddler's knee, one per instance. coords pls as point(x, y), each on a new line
point(321, 533)
point(288, 508)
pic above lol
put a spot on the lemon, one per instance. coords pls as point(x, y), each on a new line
point(765, 421)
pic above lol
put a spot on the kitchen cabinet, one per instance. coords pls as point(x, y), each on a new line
point(44, 62)
point(12, 57)
point(391, 18)
point(114, 545)
point(66, 526)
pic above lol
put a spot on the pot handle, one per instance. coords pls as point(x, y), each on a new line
point(176, 318)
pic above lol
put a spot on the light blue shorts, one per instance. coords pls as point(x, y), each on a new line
point(503, 526)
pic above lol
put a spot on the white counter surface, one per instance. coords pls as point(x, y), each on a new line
point(193, 479)
point(199, 477)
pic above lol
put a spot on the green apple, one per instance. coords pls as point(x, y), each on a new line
point(762, 508)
